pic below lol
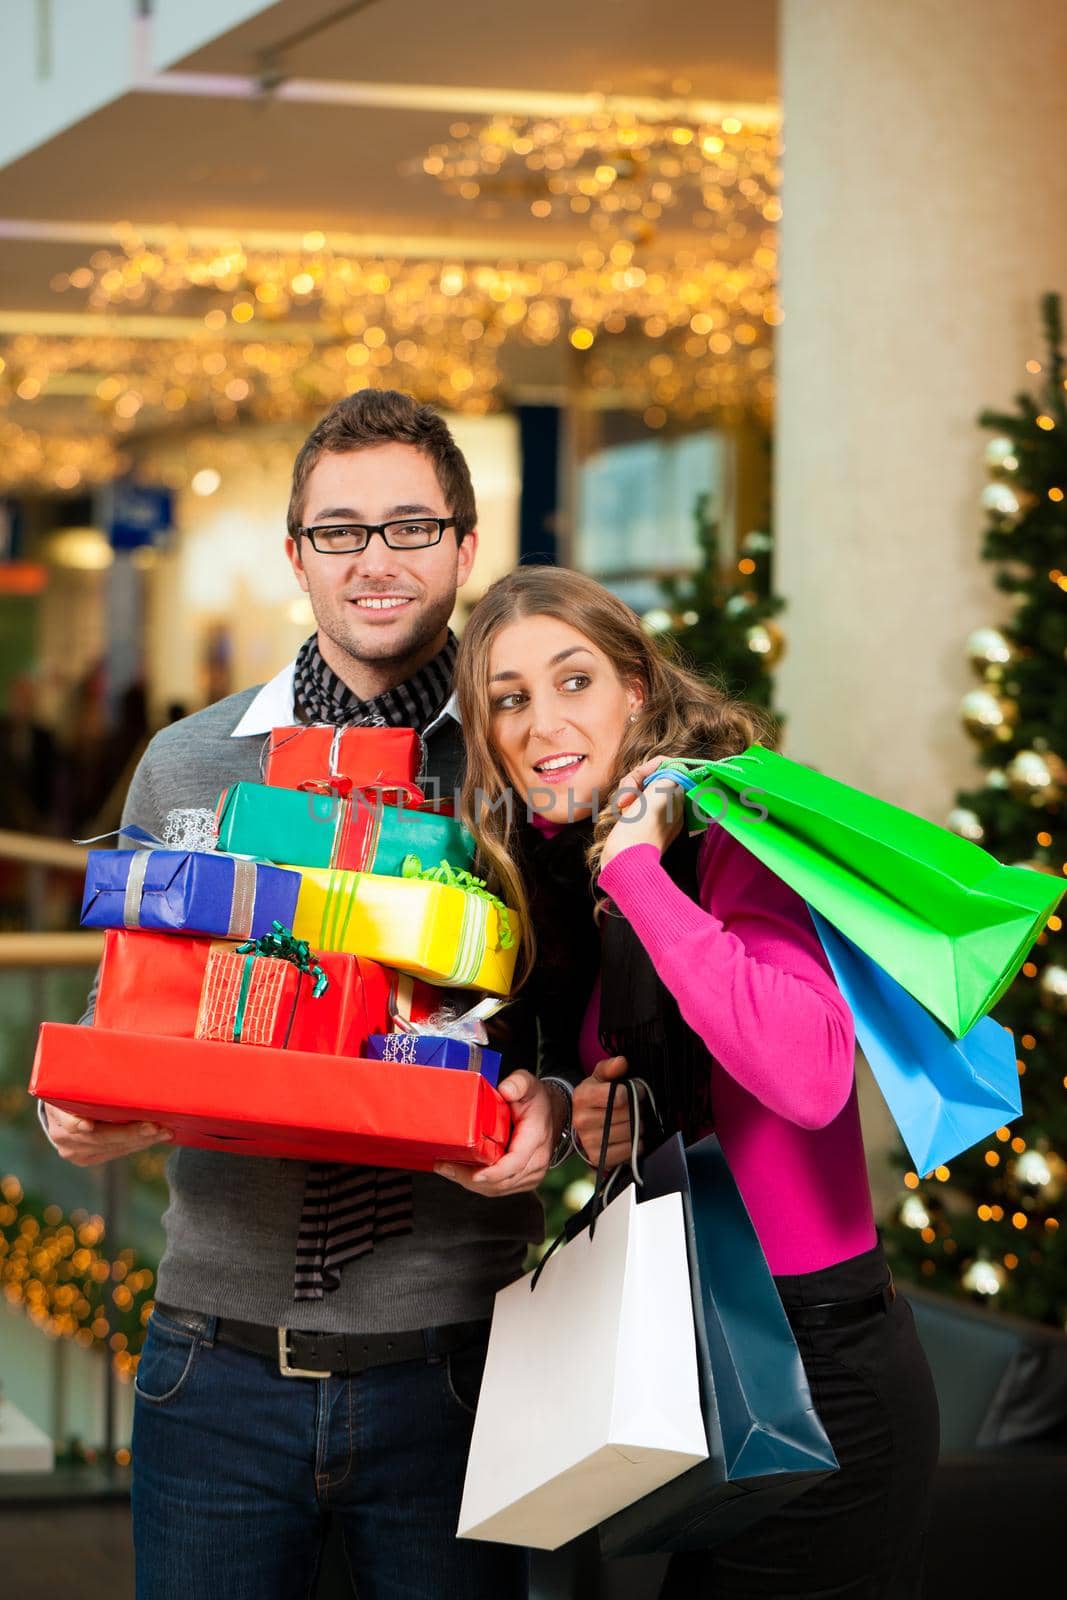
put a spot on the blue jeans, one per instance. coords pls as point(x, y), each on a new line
point(235, 1468)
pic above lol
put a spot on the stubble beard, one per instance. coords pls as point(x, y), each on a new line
point(422, 632)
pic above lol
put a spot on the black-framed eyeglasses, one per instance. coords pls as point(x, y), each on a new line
point(405, 533)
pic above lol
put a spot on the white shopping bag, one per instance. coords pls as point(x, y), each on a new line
point(590, 1398)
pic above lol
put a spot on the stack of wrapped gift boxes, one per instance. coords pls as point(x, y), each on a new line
point(289, 988)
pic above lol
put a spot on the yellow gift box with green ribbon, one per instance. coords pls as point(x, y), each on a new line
point(439, 924)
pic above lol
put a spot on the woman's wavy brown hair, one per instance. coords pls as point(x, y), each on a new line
point(684, 715)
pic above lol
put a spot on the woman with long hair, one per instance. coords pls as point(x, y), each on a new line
point(688, 964)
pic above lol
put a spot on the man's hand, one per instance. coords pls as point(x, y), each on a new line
point(538, 1114)
point(646, 816)
point(88, 1144)
point(590, 1107)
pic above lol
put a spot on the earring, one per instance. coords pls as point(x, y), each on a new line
point(633, 716)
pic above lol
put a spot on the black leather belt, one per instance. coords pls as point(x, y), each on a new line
point(301, 1354)
point(838, 1313)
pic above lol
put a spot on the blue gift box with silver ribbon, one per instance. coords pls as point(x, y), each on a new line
point(187, 891)
point(434, 1050)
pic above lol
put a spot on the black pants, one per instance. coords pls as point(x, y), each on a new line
point(858, 1534)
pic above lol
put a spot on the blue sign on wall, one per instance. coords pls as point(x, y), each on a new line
point(138, 514)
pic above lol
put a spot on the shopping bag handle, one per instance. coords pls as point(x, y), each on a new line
point(586, 1218)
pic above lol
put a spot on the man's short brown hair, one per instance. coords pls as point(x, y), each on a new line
point(386, 416)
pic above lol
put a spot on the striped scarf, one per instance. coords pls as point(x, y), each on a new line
point(319, 695)
point(346, 1209)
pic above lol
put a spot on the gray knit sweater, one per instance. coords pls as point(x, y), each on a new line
point(231, 1224)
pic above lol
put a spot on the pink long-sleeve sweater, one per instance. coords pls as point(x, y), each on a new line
point(749, 974)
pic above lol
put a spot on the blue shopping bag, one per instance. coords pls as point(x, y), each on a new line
point(766, 1443)
point(944, 1094)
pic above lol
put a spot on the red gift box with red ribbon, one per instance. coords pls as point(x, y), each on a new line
point(337, 760)
point(204, 989)
point(251, 1100)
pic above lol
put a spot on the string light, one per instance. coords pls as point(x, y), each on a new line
point(607, 285)
point(441, 325)
point(56, 460)
point(130, 381)
point(51, 1267)
point(621, 172)
point(659, 327)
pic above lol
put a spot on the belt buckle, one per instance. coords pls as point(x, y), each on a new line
point(283, 1360)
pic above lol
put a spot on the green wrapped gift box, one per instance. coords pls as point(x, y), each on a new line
point(355, 834)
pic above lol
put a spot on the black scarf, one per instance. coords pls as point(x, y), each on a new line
point(319, 695)
point(639, 1017)
point(347, 1209)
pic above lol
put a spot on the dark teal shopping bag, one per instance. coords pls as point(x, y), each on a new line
point(766, 1443)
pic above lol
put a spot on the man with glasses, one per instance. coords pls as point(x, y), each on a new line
point(319, 1332)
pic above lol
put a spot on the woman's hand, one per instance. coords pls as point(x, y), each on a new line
point(538, 1115)
point(590, 1108)
point(646, 816)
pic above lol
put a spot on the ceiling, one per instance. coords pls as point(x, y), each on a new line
point(236, 164)
point(245, 163)
point(724, 49)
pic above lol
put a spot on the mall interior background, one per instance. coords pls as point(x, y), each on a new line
point(216, 218)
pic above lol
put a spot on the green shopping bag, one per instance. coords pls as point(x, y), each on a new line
point(938, 913)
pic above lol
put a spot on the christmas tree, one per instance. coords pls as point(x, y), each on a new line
point(721, 619)
point(989, 1227)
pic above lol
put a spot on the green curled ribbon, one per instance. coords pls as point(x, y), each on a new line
point(459, 878)
point(282, 945)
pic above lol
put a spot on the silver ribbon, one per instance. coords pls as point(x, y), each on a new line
point(131, 905)
point(191, 828)
point(244, 900)
point(467, 1027)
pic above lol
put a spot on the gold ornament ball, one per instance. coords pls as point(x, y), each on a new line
point(988, 647)
point(968, 824)
point(984, 1277)
point(1000, 455)
point(766, 640)
point(912, 1213)
point(1042, 1170)
point(1001, 500)
point(1052, 985)
point(988, 717)
point(1037, 777)
point(1052, 1191)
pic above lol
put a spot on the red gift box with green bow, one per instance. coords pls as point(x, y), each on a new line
point(269, 991)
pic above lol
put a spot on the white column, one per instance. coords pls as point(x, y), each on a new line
point(925, 205)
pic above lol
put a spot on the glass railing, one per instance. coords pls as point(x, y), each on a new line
point(78, 1245)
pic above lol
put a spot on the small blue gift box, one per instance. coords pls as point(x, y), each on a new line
point(187, 891)
point(434, 1050)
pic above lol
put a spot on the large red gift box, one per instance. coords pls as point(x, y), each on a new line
point(154, 983)
point(251, 1100)
point(341, 759)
